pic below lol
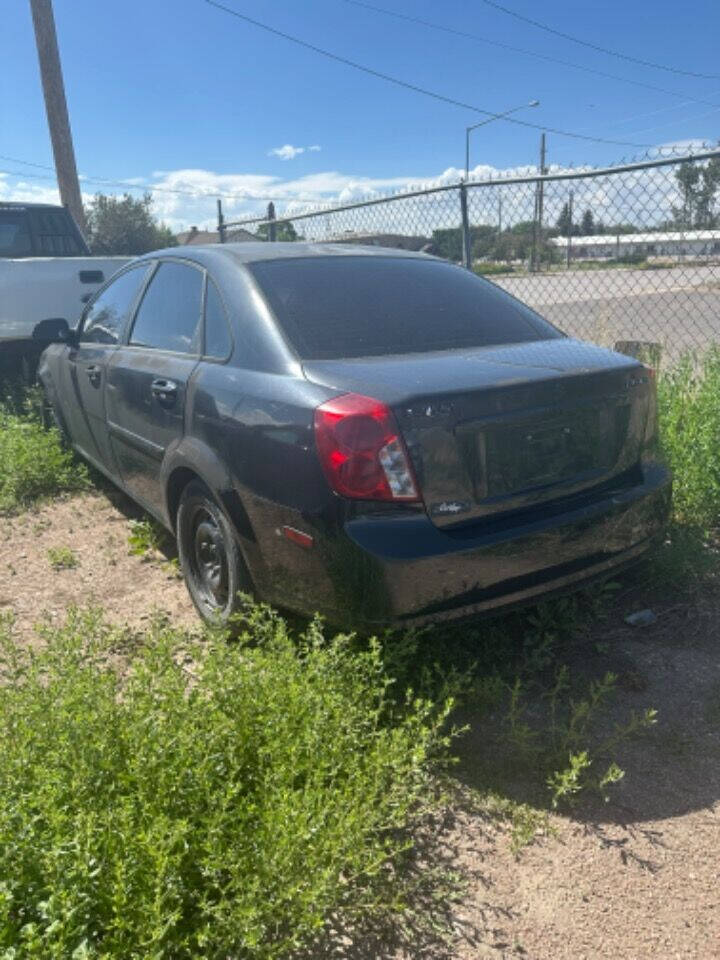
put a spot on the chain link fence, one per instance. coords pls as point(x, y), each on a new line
point(623, 253)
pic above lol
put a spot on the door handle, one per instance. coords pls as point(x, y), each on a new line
point(93, 373)
point(164, 390)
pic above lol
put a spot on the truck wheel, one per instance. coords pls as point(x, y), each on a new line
point(210, 558)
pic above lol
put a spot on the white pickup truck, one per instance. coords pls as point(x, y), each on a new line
point(46, 271)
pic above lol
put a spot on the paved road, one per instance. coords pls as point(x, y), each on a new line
point(678, 307)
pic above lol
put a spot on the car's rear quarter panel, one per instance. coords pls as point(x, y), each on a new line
point(261, 426)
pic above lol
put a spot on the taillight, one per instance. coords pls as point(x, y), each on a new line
point(361, 450)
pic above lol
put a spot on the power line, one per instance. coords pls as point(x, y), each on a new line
point(654, 113)
point(528, 53)
point(138, 186)
point(599, 49)
point(411, 86)
point(695, 116)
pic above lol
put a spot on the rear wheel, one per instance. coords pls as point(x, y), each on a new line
point(210, 559)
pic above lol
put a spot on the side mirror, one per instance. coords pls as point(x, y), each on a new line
point(55, 330)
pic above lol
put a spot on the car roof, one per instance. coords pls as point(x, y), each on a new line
point(249, 252)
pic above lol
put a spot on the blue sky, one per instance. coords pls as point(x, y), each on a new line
point(177, 93)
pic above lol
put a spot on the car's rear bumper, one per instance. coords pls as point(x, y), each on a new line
point(395, 570)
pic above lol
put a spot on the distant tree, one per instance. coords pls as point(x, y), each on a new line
point(587, 224)
point(564, 221)
point(503, 248)
point(125, 226)
point(513, 243)
point(483, 239)
point(284, 232)
point(447, 243)
point(613, 229)
point(698, 188)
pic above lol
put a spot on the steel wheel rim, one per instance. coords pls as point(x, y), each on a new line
point(209, 560)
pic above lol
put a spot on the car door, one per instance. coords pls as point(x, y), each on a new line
point(148, 377)
point(82, 388)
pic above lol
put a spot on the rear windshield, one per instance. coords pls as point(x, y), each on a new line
point(346, 306)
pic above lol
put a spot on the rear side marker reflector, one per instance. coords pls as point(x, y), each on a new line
point(361, 450)
point(299, 537)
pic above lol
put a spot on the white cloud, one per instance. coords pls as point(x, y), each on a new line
point(286, 152)
point(289, 152)
point(187, 197)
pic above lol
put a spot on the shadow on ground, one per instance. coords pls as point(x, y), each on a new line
point(671, 666)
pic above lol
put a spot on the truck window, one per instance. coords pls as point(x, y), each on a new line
point(14, 234)
point(54, 234)
point(38, 231)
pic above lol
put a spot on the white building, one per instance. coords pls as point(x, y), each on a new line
point(688, 243)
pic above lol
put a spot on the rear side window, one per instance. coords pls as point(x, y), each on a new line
point(346, 306)
point(14, 234)
point(169, 315)
point(54, 234)
point(217, 330)
point(106, 319)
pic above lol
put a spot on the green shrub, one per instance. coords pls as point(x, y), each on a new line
point(213, 800)
point(492, 269)
point(689, 411)
point(33, 461)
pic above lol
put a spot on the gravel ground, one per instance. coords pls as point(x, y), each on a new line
point(677, 307)
point(636, 878)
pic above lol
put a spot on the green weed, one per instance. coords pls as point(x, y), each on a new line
point(62, 558)
point(211, 799)
point(149, 540)
point(33, 461)
point(493, 269)
point(689, 416)
point(526, 822)
point(145, 538)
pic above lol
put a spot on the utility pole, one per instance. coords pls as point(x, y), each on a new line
point(538, 213)
point(56, 109)
point(541, 184)
point(465, 220)
point(221, 222)
point(570, 230)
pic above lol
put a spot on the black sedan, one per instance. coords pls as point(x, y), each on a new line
point(376, 435)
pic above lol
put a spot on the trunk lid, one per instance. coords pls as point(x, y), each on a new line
point(500, 429)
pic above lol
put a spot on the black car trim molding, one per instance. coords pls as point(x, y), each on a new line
point(153, 450)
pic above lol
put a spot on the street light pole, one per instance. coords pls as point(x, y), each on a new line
point(466, 244)
point(482, 123)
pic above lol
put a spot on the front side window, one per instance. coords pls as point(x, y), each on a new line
point(106, 319)
point(169, 315)
point(217, 331)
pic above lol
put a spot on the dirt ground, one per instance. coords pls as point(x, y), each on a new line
point(636, 878)
point(95, 526)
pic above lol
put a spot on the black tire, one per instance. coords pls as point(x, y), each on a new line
point(210, 559)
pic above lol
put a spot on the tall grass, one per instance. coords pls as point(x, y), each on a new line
point(689, 414)
point(210, 799)
point(33, 461)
